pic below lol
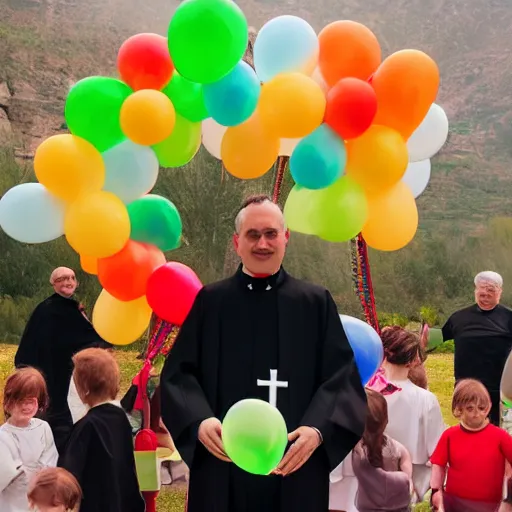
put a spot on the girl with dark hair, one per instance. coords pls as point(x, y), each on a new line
point(382, 466)
point(415, 418)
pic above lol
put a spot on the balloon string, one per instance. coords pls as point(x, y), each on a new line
point(361, 276)
point(282, 161)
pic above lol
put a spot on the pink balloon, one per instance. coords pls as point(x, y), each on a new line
point(172, 289)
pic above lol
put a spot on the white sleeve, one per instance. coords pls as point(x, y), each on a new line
point(435, 425)
point(10, 468)
point(50, 455)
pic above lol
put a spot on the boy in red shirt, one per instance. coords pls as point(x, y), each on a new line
point(474, 451)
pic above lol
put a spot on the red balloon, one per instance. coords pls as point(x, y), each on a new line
point(125, 274)
point(171, 291)
point(144, 62)
point(351, 107)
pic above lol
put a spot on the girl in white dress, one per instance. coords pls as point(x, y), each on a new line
point(26, 442)
point(415, 418)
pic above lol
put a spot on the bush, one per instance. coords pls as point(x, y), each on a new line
point(448, 347)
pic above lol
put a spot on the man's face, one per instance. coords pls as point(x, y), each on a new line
point(262, 240)
point(64, 282)
point(487, 295)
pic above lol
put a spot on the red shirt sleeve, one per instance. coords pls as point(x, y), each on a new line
point(440, 455)
point(506, 445)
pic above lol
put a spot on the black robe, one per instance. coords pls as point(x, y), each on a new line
point(483, 340)
point(239, 329)
point(55, 332)
point(100, 456)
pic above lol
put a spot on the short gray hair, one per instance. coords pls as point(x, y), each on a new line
point(258, 199)
point(489, 276)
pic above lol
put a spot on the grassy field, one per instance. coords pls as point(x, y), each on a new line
point(440, 372)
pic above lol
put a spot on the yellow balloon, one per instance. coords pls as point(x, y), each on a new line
point(392, 218)
point(120, 323)
point(377, 159)
point(291, 105)
point(97, 225)
point(68, 166)
point(147, 117)
point(247, 150)
point(89, 264)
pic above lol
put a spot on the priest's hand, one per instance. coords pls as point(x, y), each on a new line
point(305, 441)
point(210, 435)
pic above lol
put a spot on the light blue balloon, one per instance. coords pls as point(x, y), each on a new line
point(131, 170)
point(319, 159)
point(233, 99)
point(366, 345)
point(284, 44)
point(30, 214)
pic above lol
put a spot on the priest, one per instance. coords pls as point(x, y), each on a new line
point(483, 338)
point(263, 334)
point(57, 329)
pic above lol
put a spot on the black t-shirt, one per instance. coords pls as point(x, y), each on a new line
point(483, 340)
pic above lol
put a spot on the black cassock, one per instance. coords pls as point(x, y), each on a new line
point(483, 340)
point(237, 331)
point(100, 455)
point(55, 332)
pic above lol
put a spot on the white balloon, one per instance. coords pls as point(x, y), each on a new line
point(287, 146)
point(131, 170)
point(212, 134)
point(430, 135)
point(30, 214)
point(417, 176)
point(320, 80)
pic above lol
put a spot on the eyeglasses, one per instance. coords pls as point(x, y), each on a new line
point(64, 278)
point(268, 234)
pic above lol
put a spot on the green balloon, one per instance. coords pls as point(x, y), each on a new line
point(340, 210)
point(207, 38)
point(435, 338)
point(181, 146)
point(92, 110)
point(155, 220)
point(187, 98)
point(298, 210)
point(255, 436)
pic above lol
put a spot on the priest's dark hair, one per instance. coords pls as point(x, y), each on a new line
point(96, 375)
point(25, 383)
point(376, 422)
point(469, 392)
point(252, 199)
point(401, 347)
point(54, 487)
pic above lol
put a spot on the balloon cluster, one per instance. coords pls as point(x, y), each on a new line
point(349, 122)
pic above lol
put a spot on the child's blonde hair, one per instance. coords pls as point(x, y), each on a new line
point(22, 384)
point(53, 487)
point(469, 392)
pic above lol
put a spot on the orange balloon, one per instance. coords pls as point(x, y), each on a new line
point(377, 159)
point(248, 151)
point(392, 218)
point(406, 85)
point(125, 274)
point(147, 117)
point(89, 264)
point(347, 49)
point(291, 105)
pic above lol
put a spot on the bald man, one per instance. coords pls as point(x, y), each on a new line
point(57, 329)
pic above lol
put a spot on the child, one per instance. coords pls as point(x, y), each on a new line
point(475, 452)
point(415, 418)
point(382, 465)
point(54, 490)
point(26, 442)
point(100, 450)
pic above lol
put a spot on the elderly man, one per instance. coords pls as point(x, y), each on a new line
point(57, 329)
point(257, 324)
point(483, 338)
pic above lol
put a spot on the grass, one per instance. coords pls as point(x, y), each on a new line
point(439, 368)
